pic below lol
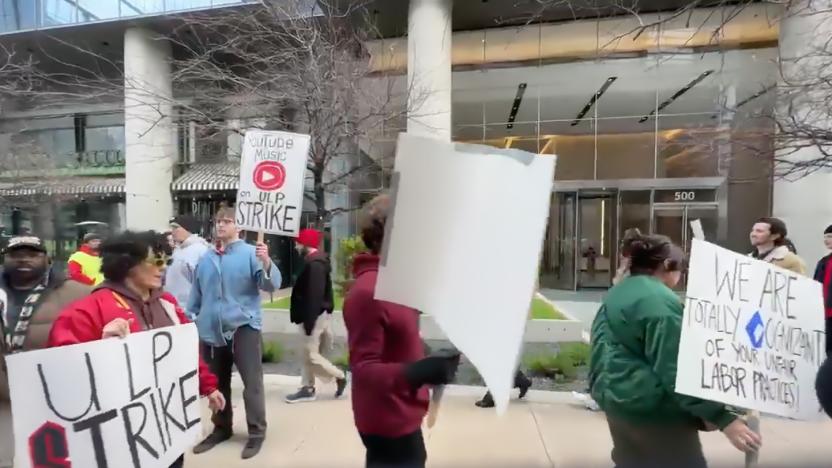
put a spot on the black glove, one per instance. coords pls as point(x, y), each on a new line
point(437, 369)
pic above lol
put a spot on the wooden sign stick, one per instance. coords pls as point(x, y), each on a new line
point(752, 419)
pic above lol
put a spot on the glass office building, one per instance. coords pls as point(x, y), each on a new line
point(650, 132)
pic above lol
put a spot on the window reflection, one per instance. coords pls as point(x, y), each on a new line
point(95, 10)
point(56, 12)
point(104, 138)
point(17, 14)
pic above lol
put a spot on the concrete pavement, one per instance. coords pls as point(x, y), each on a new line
point(546, 431)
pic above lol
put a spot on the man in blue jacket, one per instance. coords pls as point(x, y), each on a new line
point(225, 300)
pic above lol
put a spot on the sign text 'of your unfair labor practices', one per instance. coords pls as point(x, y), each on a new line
point(272, 171)
point(131, 403)
point(752, 334)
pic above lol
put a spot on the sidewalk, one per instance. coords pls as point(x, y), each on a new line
point(543, 432)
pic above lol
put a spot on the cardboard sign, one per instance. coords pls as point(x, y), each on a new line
point(131, 403)
point(463, 244)
point(272, 171)
point(752, 336)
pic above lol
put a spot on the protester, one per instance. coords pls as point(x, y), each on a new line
point(311, 309)
point(389, 370)
point(768, 237)
point(190, 247)
point(226, 302)
point(823, 386)
point(84, 266)
point(520, 381)
point(823, 275)
point(130, 300)
point(635, 343)
point(31, 296)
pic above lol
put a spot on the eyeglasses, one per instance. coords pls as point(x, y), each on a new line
point(159, 261)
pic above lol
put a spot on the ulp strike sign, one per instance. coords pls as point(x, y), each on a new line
point(115, 403)
point(272, 171)
point(752, 334)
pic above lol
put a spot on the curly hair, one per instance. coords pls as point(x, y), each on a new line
point(372, 221)
point(121, 253)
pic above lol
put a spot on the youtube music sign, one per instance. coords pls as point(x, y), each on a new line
point(272, 171)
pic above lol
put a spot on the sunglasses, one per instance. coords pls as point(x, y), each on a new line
point(159, 261)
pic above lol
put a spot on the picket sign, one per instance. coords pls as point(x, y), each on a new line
point(117, 403)
point(273, 168)
point(506, 195)
point(752, 418)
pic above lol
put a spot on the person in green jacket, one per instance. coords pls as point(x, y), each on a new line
point(635, 343)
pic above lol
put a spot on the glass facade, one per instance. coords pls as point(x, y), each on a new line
point(652, 138)
point(21, 15)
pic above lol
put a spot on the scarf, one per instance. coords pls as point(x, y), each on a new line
point(15, 339)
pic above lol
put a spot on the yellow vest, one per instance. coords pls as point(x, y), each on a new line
point(90, 266)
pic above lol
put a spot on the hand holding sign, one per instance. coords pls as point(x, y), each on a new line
point(262, 253)
point(216, 401)
point(118, 328)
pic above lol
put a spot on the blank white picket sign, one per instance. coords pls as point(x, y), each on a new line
point(464, 246)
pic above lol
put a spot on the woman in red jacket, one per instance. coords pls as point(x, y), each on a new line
point(130, 300)
point(389, 370)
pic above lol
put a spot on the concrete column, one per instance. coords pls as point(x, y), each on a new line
point(150, 136)
point(429, 68)
point(803, 202)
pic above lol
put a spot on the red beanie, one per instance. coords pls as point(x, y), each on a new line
point(309, 238)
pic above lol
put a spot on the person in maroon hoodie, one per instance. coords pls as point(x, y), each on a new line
point(389, 371)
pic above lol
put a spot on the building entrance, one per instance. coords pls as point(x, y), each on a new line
point(586, 224)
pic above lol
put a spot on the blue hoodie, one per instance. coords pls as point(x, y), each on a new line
point(226, 295)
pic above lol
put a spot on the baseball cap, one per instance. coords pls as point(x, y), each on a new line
point(25, 242)
point(91, 236)
point(186, 222)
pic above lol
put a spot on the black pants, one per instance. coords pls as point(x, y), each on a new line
point(179, 463)
point(401, 452)
point(655, 446)
point(829, 336)
point(245, 352)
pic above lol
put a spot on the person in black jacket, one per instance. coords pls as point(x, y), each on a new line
point(311, 309)
point(823, 275)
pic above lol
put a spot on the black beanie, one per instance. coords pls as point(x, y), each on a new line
point(823, 386)
point(828, 229)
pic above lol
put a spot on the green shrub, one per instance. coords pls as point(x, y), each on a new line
point(342, 361)
point(577, 353)
point(272, 351)
point(348, 248)
point(552, 366)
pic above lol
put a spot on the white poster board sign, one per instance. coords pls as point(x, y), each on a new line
point(272, 172)
point(752, 336)
point(131, 403)
point(463, 245)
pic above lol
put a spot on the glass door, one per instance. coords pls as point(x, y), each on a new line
point(557, 268)
point(673, 221)
point(597, 239)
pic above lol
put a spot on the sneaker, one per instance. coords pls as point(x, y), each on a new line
point(486, 402)
point(214, 438)
point(302, 395)
point(252, 447)
point(342, 385)
point(524, 385)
